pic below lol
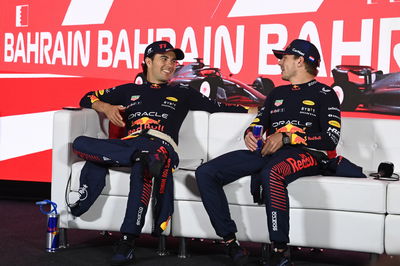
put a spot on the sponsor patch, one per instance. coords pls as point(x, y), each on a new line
point(173, 99)
point(135, 97)
point(278, 103)
point(334, 123)
point(308, 102)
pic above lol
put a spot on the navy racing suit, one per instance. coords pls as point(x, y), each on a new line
point(309, 111)
point(158, 107)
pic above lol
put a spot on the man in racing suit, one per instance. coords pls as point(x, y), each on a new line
point(152, 114)
point(301, 123)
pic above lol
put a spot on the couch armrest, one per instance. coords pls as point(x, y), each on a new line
point(67, 125)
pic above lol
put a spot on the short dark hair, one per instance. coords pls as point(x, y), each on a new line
point(144, 65)
point(310, 68)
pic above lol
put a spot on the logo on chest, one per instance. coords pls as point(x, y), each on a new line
point(278, 103)
point(170, 102)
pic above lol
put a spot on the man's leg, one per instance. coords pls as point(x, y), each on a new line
point(110, 152)
point(92, 182)
point(99, 155)
point(141, 182)
point(284, 167)
point(211, 177)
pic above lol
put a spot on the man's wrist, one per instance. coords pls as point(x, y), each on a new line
point(285, 139)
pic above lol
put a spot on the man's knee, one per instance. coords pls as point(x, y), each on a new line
point(79, 142)
point(204, 173)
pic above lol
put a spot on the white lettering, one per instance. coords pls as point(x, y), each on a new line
point(222, 36)
point(388, 25)
point(45, 46)
point(266, 47)
point(84, 50)
point(189, 39)
point(207, 46)
point(166, 33)
point(32, 47)
point(59, 49)
point(105, 40)
point(122, 51)
point(363, 48)
point(138, 48)
point(20, 48)
point(8, 47)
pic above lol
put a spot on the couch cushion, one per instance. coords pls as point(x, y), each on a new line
point(393, 197)
point(193, 136)
point(226, 132)
point(313, 192)
point(368, 142)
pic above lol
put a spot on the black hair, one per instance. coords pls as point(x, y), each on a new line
point(144, 65)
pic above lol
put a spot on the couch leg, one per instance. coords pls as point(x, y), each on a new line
point(162, 246)
point(182, 254)
point(373, 258)
point(265, 250)
point(63, 241)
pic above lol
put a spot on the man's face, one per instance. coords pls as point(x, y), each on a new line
point(289, 66)
point(161, 68)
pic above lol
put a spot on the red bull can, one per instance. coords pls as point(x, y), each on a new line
point(53, 231)
point(258, 132)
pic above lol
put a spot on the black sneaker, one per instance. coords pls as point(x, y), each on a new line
point(238, 254)
point(280, 258)
point(123, 253)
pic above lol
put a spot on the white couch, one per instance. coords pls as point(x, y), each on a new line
point(326, 212)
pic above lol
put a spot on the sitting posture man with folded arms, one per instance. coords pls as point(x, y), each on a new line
point(153, 114)
point(302, 123)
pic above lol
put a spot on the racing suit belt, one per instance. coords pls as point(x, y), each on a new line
point(157, 134)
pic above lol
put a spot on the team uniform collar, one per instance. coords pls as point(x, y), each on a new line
point(303, 85)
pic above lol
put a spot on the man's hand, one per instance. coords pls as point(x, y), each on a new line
point(250, 141)
point(111, 111)
point(272, 144)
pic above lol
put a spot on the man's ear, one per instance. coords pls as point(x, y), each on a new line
point(148, 61)
point(300, 61)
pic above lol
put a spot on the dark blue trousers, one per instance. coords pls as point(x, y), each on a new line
point(273, 172)
point(100, 154)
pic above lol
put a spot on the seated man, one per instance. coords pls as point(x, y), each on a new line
point(302, 123)
point(153, 113)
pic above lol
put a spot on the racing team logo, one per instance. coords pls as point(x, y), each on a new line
point(308, 102)
point(146, 123)
point(295, 138)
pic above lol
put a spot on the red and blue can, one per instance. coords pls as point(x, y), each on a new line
point(53, 232)
point(257, 133)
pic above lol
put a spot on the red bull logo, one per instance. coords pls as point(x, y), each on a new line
point(146, 123)
point(289, 128)
point(306, 161)
point(295, 138)
point(93, 98)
